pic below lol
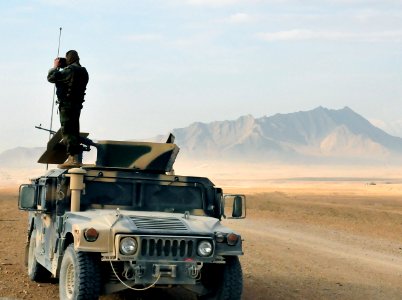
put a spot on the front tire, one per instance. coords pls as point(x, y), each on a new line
point(79, 275)
point(224, 282)
point(36, 272)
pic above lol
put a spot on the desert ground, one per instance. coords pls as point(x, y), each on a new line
point(310, 238)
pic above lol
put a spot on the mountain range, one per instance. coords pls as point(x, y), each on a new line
point(320, 135)
point(21, 157)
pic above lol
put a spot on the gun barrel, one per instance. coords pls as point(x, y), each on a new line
point(45, 129)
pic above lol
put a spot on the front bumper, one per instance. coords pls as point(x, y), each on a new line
point(155, 272)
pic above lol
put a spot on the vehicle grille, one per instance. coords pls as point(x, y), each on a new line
point(168, 247)
point(152, 223)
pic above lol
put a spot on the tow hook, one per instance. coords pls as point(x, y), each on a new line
point(194, 270)
point(139, 271)
point(131, 271)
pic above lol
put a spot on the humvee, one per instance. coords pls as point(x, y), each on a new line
point(128, 222)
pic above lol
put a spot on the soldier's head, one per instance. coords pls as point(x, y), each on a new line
point(72, 57)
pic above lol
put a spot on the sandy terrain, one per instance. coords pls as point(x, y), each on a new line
point(303, 240)
point(334, 242)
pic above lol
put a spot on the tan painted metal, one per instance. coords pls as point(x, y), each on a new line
point(76, 186)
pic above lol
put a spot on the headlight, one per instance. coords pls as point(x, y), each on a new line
point(128, 246)
point(204, 248)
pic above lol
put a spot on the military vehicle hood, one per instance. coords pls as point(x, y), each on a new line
point(143, 222)
point(108, 223)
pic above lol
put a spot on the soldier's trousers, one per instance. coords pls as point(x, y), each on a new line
point(70, 128)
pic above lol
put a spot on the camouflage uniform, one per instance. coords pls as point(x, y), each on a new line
point(71, 83)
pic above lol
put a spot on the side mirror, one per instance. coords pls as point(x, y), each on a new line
point(27, 197)
point(235, 205)
point(237, 211)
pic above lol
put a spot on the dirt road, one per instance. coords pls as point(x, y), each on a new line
point(332, 242)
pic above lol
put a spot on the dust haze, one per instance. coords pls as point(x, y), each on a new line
point(311, 232)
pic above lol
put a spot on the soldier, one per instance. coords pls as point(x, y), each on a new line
point(71, 80)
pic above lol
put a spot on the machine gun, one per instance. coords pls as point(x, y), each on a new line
point(45, 129)
point(56, 152)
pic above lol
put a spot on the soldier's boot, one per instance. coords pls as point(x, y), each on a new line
point(71, 162)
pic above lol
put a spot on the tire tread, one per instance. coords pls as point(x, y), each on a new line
point(87, 274)
point(233, 280)
point(224, 282)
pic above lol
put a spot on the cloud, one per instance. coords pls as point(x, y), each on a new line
point(59, 3)
point(143, 37)
point(197, 41)
point(379, 123)
point(292, 2)
point(391, 127)
point(305, 34)
point(240, 18)
point(212, 2)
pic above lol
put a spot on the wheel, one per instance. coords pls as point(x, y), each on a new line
point(79, 275)
point(36, 271)
point(223, 282)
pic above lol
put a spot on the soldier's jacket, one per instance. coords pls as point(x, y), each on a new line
point(70, 83)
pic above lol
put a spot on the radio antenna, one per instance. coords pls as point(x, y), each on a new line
point(54, 91)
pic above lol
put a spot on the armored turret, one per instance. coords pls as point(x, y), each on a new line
point(141, 156)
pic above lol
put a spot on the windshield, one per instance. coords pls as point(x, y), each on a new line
point(143, 196)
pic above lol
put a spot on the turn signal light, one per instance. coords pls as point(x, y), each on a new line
point(91, 234)
point(232, 239)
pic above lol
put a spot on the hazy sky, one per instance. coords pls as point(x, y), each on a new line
point(158, 65)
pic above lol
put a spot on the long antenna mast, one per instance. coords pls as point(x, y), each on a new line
point(54, 91)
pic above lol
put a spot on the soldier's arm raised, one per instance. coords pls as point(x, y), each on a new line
point(51, 75)
point(55, 75)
